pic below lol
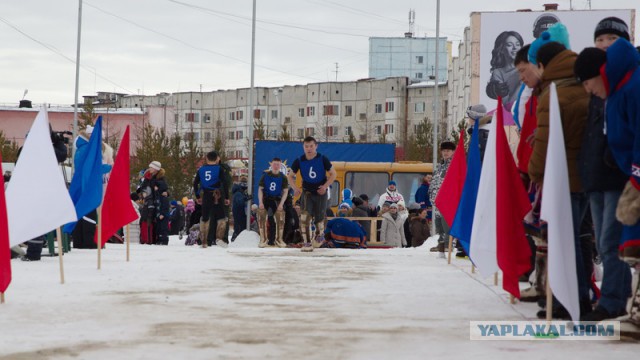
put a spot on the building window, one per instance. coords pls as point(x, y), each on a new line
point(300, 112)
point(419, 75)
point(348, 110)
point(192, 117)
point(207, 136)
point(330, 110)
point(300, 133)
point(274, 114)
point(239, 115)
point(311, 110)
point(363, 137)
point(309, 131)
point(192, 136)
point(232, 115)
point(378, 129)
point(419, 107)
point(389, 106)
point(232, 135)
point(287, 119)
point(258, 114)
point(363, 116)
point(419, 59)
point(378, 109)
point(206, 118)
point(238, 154)
point(388, 128)
point(348, 131)
point(239, 135)
point(331, 131)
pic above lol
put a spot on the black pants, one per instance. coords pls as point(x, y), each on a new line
point(271, 205)
point(34, 248)
point(84, 232)
point(162, 227)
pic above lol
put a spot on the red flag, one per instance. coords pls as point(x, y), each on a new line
point(451, 190)
point(513, 252)
point(117, 210)
point(5, 250)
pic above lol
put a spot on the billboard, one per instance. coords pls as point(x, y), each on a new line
point(502, 34)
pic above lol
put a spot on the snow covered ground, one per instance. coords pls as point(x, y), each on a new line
point(174, 302)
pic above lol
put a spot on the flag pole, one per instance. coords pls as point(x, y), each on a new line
point(99, 236)
point(127, 240)
point(1, 298)
point(473, 269)
point(549, 297)
point(450, 246)
point(495, 279)
point(60, 254)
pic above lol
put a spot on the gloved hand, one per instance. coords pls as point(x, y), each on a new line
point(628, 210)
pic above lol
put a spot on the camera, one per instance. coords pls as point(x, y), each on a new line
point(59, 136)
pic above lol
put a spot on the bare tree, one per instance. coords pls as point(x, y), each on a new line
point(8, 148)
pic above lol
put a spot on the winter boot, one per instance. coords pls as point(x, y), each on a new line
point(305, 221)
point(262, 227)
point(221, 227)
point(318, 240)
point(279, 217)
point(204, 232)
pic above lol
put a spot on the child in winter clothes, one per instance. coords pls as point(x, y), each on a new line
point(392, 230)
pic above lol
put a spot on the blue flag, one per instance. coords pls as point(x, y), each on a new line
point(86, 184)
point(463, 222)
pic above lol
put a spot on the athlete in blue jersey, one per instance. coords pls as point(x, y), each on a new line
point(210, 183)
point(272, 190)
point(313, 168)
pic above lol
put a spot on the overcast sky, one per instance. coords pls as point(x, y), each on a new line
point(151, 46)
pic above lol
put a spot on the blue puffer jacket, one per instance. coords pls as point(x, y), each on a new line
point(622, 79)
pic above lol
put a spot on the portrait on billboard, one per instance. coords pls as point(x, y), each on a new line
point(502, 34)
point(505, 80)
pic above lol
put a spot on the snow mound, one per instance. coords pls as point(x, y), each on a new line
point(246, 239)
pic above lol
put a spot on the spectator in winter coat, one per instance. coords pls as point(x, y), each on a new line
point(152, 187)
point(392, 230)
point(176, 218)
point(556, 63)
point(422, 195)
point(361, 210)
point(239, 200)
point(162, 219)
point(616, 78)
point(442, 228)
point(391, 195)
point(419, 228)
point(602, 178)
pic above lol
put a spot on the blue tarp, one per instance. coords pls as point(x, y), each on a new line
point(290, 150)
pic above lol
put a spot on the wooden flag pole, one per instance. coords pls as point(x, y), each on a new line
point(473, 269)
point(549, 297)
point(450, 246)
point(99, 236)
point(60, 254)
point(127, 240)
point(495, 279)
point(1, 298)
point(512, 299)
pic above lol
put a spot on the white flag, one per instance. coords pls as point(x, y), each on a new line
point(483, 234)
point(556, 204)
point(37, 198)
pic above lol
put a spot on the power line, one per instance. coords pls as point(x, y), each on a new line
point(60, 53)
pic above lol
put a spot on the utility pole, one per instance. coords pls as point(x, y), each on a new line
point(253, 57)
point(437, 99)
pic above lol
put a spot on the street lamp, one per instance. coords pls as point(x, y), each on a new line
point(277, 93)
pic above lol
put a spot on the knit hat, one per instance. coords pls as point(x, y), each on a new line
point(612, 25)
point(476, 111)
point(155, 165)
point(543, 23)
point(174, 203)
point(387, 203)
point(392, 182)
point(447, 145)
point(558, 33)
point(588, 63)
point(401, 203)
point(344, 205)
point(394, 205)
point(364, 197)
